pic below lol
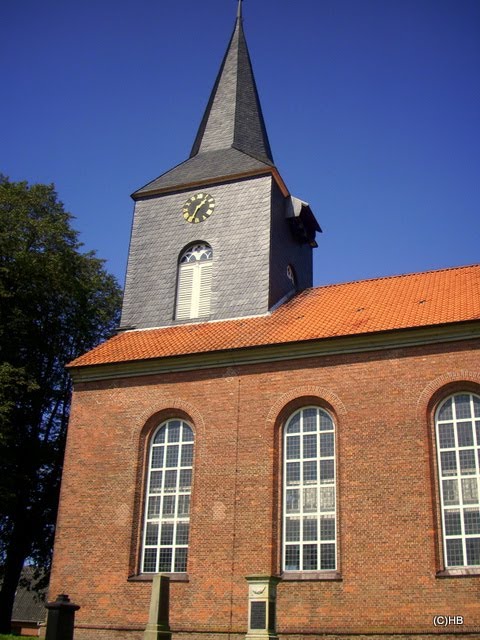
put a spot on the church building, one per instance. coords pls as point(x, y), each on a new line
point(300, 462)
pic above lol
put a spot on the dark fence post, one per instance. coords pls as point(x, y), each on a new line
point(61, 618)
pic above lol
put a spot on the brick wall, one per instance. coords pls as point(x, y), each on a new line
point(388, 524)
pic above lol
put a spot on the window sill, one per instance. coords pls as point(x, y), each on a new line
point(295, 576)
point(461, 572)
point(148, 577)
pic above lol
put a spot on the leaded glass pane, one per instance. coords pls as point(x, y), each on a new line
point(150, 560)
point(166, 534)
point(174, 431)
point(151, 536)
point(326, 423)
point(293, 447)
point(445, 412)
point(293, 501)
point(327, 556)
point(310, 471)
point(310, 446)
point(153, 506)
point(182, 533)
point(165, 560)
point(476, 406)
point(168, 508)
point(473, 551)
point(172, 456)
point(155, 482)
point(310, 557)
point(187, 433)
point(293, 473)
point(327, 471)
point(471, 521)
point(181, 559)
point(185, 479)
point(294, 424)
point(310, 419)
point(310, 529)
point(187, 455)
point(465, 434)
point(327, 498)
point(467, 462)
point(453, 523)
point(326, 445)
point(157, 457)
point(327, 528)
point(450, 492)
point(292, 529)
point(462, 407)
point(449, 463)
point(470, 490)
point(170, 481)
point(160, 436)
point(446, 435)
point(310, 499)
point(183, 505)
point(292, 557)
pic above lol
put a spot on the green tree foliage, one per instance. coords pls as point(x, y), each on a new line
point(55, 303)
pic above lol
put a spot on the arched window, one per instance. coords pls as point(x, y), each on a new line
point(458, 446)
point(167, 512)
point(194, 282)
point(309, 512)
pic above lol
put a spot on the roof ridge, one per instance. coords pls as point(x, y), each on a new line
point(392, 277)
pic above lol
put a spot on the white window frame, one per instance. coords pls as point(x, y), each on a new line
point(458, 446)
point(322, 508)
point(167, 498)
point(194, 283)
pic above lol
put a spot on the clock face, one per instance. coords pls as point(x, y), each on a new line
point(198, 208)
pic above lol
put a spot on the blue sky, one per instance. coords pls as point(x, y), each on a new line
point(372, 109)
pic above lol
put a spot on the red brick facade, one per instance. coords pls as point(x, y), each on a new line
point(390, 558)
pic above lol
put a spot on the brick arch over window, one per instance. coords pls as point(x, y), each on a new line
point(441, 386)
point(194, 282)
point(304, 395)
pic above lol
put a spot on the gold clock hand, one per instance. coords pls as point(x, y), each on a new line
point(200, 205)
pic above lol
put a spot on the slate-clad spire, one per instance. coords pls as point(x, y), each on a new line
point(233, 117)
point(232, 139)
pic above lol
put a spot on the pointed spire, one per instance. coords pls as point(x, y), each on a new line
point(233, 117)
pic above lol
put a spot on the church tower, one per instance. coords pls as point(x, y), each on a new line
point(219, 236)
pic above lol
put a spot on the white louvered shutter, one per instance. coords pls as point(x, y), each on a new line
point(194, 290)
point(205, 289)
point(186, 274)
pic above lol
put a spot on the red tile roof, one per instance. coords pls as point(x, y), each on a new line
point(354, 308)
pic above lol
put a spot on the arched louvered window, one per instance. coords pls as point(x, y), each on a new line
point(194, 282)
point(309, 504)
point(457, 424)
point(167, 510)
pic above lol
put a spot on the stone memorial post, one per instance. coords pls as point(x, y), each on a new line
point(158, 627)
point(261, 607)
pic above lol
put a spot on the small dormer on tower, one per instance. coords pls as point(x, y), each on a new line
point(219, 235)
